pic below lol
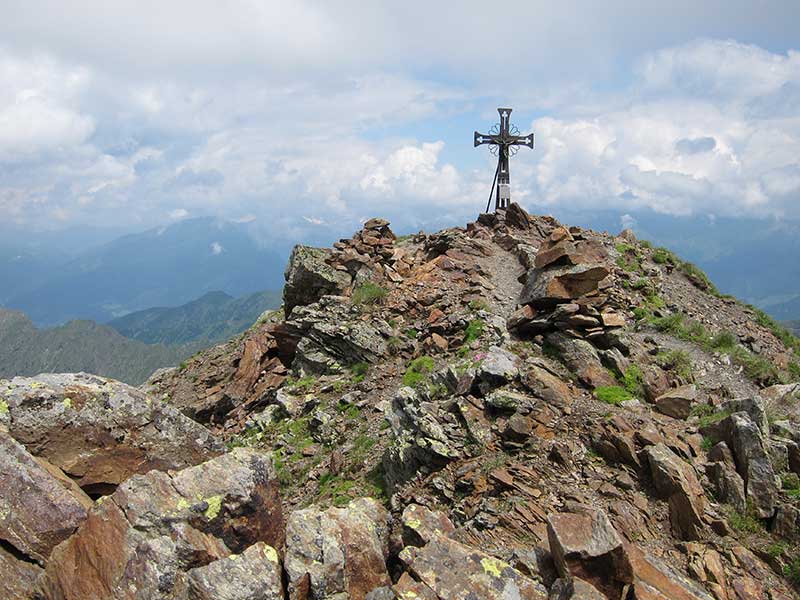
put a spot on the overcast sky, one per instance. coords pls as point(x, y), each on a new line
point(300, 114)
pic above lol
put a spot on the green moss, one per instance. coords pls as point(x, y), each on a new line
point(792, 571)
point(707, 418)
point(724, 341)
point(612, 394)
point(662, 256)
point(359, 372)
point(707, 443)
point(474, 331)
point(418, 371)
point(633, 381)
point(412, 333)
point(368, 293)
point(744, 523)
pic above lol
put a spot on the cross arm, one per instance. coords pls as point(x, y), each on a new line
point(484, 138)
point(521, 140)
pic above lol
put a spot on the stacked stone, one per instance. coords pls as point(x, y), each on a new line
point(567, 289)
point(371, 250)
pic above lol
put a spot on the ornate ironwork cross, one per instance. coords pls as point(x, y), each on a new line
point(504, 140)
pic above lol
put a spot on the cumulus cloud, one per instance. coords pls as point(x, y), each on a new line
point(690, 138)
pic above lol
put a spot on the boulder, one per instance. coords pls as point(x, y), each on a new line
point(653, 580)
point(421, 524)
point(309, 277)
point(38, 510)
point(495, 367)
point(677, 482)
point(728, 485)
point(255, 574)
point(17, 577)
point(585, 545)
point(156, 528)
point(581, 358)
point(454, 571)
point(548, 287)
point(753, 463)
point(332, 334)
point(341, 551)
point(426, 436)
point(678, 402)
point(574, 589)
point(547, 386)
point(99, 431)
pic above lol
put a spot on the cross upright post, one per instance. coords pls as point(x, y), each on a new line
point(504, 139)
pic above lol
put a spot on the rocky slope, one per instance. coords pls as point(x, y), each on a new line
point(515, 409)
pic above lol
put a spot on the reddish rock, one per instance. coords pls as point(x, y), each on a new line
point(653, 580)
point(545, 385)
point(561, 284)
point(255, 574)
point(156, 527)
point(37, 509)
point(17, 577)
point(421, 524)
point(99, 431)
point(586, 545)
point(677, 482)
point(677, 403)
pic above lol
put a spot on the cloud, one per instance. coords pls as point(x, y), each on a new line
point(178, 213)
point(217, 248)
point(698, 147)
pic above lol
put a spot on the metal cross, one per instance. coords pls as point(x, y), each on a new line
point(504, 139)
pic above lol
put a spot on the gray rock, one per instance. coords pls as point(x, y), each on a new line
point(342, 550)
point(17, 577)
point(581, 358)
point(549, 286)
point(255, 574)
point(744, 438)
point(787, 522)
point(427, 436)
point(728, 484)
point(753, 407)
point(309, 277)
point(496, 367)
point(99, 431)
point(332, 334)
point(677, 482)
point(574, 588)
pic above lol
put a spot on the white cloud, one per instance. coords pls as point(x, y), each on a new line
point(178, 213)
point(217, 248)
point(701, 146)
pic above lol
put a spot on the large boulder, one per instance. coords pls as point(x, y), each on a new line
point(581, 358)
point(744, 437)
point(17, 577)
point(677, 482)
point(255, 574)
point(339, 552)
point(99, 431)
point(332, 334)
point(678, 402)
point(547, 287)
point(156, 528)
point(309, 277)
point(426, 436)
point(585, 545)
point(39, 507)
point(454, 571)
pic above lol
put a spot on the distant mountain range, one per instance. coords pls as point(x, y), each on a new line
point(57, 277)
point(130, 348)
point(214, 317)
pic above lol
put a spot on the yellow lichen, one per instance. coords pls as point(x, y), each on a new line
point(409, 595)
point(272, 554)
point(183, 504)
point(67, 402)
point(3, 407)
point(214, 506)
point(414, 523)
point(493, 566)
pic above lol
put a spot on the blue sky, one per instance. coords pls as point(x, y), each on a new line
point(306, 115)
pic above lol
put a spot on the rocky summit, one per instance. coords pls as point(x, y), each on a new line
point(515, 410)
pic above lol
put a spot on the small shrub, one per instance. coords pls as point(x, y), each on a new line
point(745, 523)
point(183, 366)
point(479, 304)
point(724, 341)
point(412, 333)
point(368, 293)
point(304, 384)
point(792, 571)
point(612, 394)
point(359, 371)
point(791, 482)
point(662, 256)
point(418, 371)
point(707, 443)
point(794, 370)
point(645, 244)
point(707, 418)
point(677, 361)
point(474, 331)
point(698, 278)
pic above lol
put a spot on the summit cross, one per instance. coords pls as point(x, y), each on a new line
point(504, 140)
